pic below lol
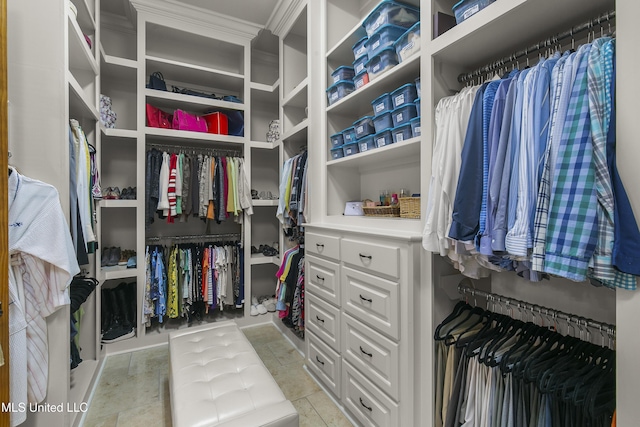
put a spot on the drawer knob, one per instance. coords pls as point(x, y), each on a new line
point(365, 299)
point(319, 245)
point(319, 319)
point(319, 361)
point(365, 406)
point(369, 257)
point(365, 353)
point(319, 277)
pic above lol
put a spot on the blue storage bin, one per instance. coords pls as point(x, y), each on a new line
point(382, 62)
point(382, 104)
point(391, 12)
point(415, 127)
point(401, 133)
point(343, 73)
point(417, 102)
point(337, 153)
point(350, 149)
point(360, 47)
point(361, 79)
point(384, 37)
point(349, 135)
point(339, 90)
point(382, 121)
point(364, 126)
point(409, 43)
point(337, 139)
point(402, 115)
point(383, 138)
point(405, 94)
point(359, 65)
point(465, 9)
point(366, 144)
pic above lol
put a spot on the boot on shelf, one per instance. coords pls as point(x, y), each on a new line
point(121, 327)
point(106, 311)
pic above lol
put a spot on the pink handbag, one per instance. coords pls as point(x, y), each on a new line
point(156, 118)
point(185, 121)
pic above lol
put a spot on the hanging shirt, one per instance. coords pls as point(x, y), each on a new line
point(286, 172)
point(43, 262)
point(572, 227)
point(83, 188)
point(599, 76)
point(163, 201)
point(557, 115)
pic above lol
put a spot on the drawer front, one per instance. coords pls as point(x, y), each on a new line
point(365, 401)
point(374, 355)
point(323, 319)
point(372, 300)
point(322, 245)
point(323, 279)
point(325, 363)
point(371, 256)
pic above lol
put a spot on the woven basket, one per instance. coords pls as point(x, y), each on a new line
point(386, 211)
point(410, 207)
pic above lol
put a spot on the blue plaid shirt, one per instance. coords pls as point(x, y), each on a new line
point(599, 75)
point(558, 112)
point(572, 227)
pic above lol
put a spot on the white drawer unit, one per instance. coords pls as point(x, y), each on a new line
point(372, 354)
point(372, 300)
point(366, 402)
point(322, 245)
point(325, 363)
point(323, 279)
point(371, 256)
point(323, 319)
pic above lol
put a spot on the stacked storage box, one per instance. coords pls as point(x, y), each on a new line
point(404, 110)
point(392, 35)
point(387, 23)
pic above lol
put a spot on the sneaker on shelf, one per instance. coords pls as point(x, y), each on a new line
point(132, 262)
point(270, 304)
point(124, 194)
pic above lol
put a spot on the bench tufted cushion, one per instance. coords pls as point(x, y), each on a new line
point(217, 379)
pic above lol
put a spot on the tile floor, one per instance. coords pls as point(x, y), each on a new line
point(133, 389)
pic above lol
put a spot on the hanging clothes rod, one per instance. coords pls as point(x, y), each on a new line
point(195, 237)
point(197, 150)
point(548, 42)
point(533, 308)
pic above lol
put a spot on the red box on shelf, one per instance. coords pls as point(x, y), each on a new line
point(217, 123)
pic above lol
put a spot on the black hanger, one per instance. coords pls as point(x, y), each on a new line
point(457, 310)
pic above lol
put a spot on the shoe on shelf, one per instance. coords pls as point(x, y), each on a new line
point(254, 250)
point(133, 194)
point(124, 194)
point(124, 257)
point(114, 257)
point(269, 251)
point(261, 309)
point(132, 262)
point(106, 254)
point(270, 304)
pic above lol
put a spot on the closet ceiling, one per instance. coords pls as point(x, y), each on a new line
point(255, 11)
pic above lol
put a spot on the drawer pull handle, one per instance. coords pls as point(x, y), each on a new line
point(319, 319)
point(365, 406)
point(319, 245)
point(365, 299)
point(319, 361)
point(369, 257)
point(319, 277)
point(364, 352)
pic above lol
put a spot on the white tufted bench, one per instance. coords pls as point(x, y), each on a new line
point(218, 379)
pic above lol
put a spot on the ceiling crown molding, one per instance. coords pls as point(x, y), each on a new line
point(198, 16)
point(284, 16)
